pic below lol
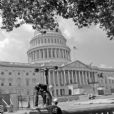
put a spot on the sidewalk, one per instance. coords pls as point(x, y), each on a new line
point(83, 102)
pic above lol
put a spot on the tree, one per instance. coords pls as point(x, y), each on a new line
point(42, 13)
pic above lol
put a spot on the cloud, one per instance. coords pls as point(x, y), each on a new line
point(67, 34)
point(104, 66)
point(4, 43)
point(28, 27)
point(14, 45)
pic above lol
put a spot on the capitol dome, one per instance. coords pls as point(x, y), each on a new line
point(48, 47)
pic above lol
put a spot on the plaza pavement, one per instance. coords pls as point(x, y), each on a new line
point(83, 102)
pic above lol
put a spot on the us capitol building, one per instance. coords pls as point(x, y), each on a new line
point(71, 78)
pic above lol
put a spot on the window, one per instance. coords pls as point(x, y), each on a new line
point(2, 73)
point(27, 73)
point(10, 73)
point(2, 84)
point(61, 92)
point(57, 93)
point(33, 73)
point(18, 73)
point(10, 84)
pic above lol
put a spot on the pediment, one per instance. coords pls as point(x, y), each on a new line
point(77, 64)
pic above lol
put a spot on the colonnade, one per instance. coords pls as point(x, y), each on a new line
point(38, 41)
point(48, 53)
point(67, 77)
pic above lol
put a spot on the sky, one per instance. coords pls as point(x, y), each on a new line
point(91, 44)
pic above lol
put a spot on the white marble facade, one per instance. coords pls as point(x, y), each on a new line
point(48, 50)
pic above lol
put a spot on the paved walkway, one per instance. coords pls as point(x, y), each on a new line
point(83, 102)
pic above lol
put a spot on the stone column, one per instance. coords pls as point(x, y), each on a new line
point(40, 53)
point(66, 54)
point(57, 79)
point(57, 52)
point(47, 52)
point(89, 76)
point(69, 77)
point(49, 78)
point(72, 76)
point(53, 73)
point(37, 54)
point(63, 77)
point(32, 55)
point(83, 77)
point(51, 52)
point(43, 53)
point(76, 76)
point(79, 78)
